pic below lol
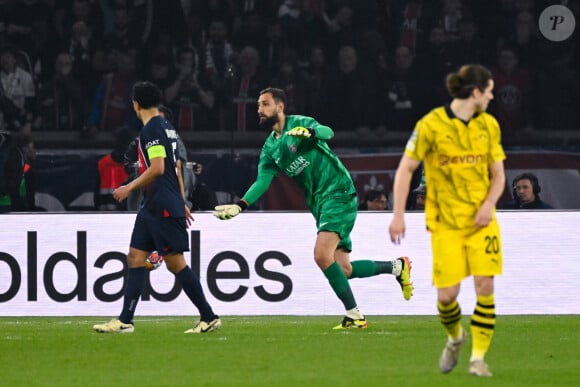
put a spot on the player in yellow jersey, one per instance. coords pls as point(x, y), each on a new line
point(460, 146)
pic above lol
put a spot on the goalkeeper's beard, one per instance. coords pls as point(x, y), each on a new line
point(268, 122)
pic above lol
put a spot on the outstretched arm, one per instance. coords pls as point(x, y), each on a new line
point(260, 186)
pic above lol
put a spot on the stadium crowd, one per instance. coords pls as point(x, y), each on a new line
point(68, 65)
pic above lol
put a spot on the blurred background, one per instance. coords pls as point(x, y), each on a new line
point(368, 69)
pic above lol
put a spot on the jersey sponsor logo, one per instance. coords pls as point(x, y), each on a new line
point(151, 143)
point(297, 166)
point(445, 160)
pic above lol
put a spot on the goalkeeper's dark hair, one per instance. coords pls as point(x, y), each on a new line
point(278, 94)
point(469, 77)
point(146, 94)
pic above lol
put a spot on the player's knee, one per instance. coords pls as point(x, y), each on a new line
point(135, 259)
point(323, 261)
point(346, 268)
point(483, 285)
point(175, 262)
point(447, 296)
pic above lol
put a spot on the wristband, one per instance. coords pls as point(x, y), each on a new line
point(242, 204)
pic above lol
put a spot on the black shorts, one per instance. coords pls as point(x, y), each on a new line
point(166, 235)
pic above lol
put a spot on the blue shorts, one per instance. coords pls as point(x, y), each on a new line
point(166, 235)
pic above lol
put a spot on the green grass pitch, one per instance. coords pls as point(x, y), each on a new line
point(281, 351)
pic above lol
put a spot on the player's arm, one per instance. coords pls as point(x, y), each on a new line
point(156, 168)
point(401, 186)
point(256, 190)
point(267, 170)
point(178, 170)
point(310, 128)
point(496, 187)
point(322, 132)
point(497, 182)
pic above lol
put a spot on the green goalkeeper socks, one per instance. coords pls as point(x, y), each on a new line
point(368, 268)
point(340, 285)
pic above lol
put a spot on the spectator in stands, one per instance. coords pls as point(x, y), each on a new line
point(11, 170)
point(17, 92)
point(339, 29)
point(86, 11)
point(433, 64)
point(217, 60)
point(27, 189)
point(525, 38)
point(557, 83)
point(403, 92)
point(249, 30)
point(111, 107)
point(151, 19)
point(275, 43)
point(349, 95)
point(317, 66)
point(196, 32)
point(418, 198)
point(82, 46)
point(32, 32)
point(451, 12)
point(469, 47)
point(410, 22)
point(300, 25)
point(160, 70)
point(22, 19)
point(243, 90)
point(374, 200)
point(112, 173)
point(63, 99)
point(526, 194)
point(189, 94)
point(119, 38)
point(512, 105)
point(373, 50)
point(293, 80)
point(6, 18)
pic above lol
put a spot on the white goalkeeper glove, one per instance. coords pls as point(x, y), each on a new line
point(227, 211)
point(301, 132)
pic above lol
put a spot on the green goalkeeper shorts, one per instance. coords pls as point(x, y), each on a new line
point(338, 214)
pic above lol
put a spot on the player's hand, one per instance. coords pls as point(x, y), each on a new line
point(188, 216)
point(227, 211)
point(300, 132)
point(397, 230)
point(121, 193)
point(484, 214)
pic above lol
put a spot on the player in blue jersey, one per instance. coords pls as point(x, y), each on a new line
point(163, 218)
point(297, 146)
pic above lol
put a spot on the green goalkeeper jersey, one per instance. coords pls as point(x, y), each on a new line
point(309, 162)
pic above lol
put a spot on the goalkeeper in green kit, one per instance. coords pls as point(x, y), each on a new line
point(297, 146)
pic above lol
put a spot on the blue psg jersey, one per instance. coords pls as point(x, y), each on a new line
point(162, 197)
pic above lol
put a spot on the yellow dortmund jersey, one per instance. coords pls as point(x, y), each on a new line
point(456, 159)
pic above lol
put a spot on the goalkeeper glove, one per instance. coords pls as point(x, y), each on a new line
point(301, 132)
point(228, 211)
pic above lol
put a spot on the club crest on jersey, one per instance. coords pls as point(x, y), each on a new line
point(292, 148)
